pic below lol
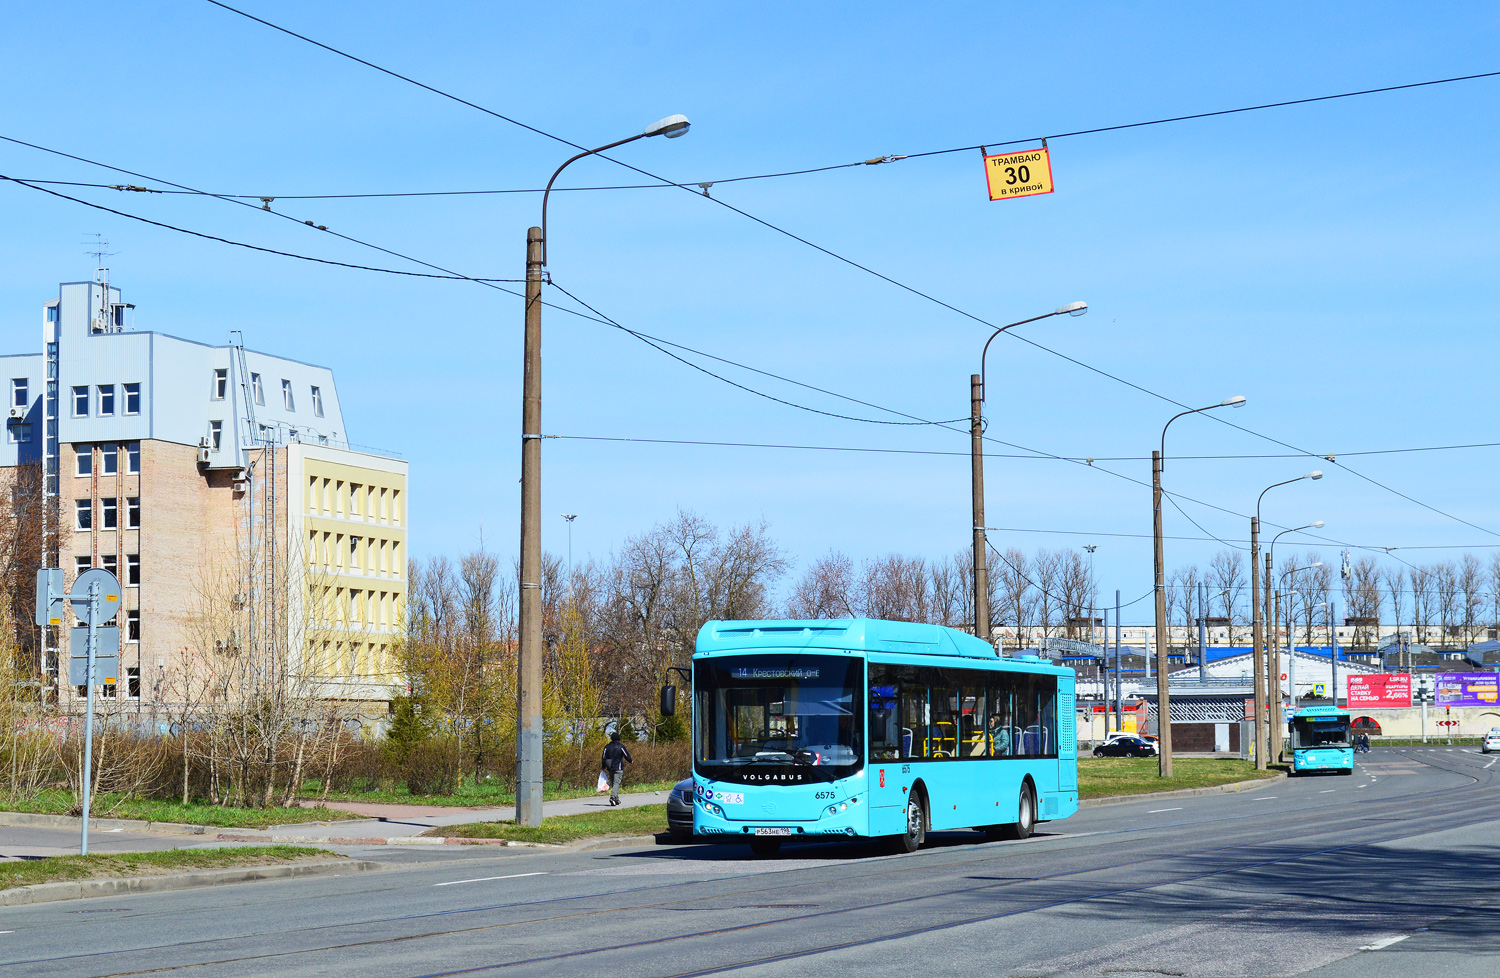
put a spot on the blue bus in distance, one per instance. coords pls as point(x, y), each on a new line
point(863, 728)
point(1320, 740)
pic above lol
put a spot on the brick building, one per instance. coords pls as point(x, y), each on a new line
point(218, 484)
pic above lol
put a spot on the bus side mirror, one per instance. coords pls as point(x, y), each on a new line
point(669, 701)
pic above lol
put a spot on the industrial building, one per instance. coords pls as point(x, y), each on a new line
point(219, 485)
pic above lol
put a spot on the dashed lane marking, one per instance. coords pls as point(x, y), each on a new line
point(1158, 811)
point(1385, 942)
point(486, 879)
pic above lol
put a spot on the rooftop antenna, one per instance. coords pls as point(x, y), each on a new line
point(97, 249)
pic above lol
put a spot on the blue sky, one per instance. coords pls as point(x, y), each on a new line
point(1334, 263)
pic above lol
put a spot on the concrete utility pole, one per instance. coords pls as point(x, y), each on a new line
point(1163, 705)
point(529, 661)
point(976, 452)
point(981, 558)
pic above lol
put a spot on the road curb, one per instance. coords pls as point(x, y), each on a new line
point(1218, 789)
point(85, 889)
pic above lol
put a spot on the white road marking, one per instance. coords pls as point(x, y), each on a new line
point(1385, 942)
point(1270, 798)
point(1158, 811)
point(7, 932)
point(1361, 786)
point(1327, 791)
point(1492, 761)
point(486, 879)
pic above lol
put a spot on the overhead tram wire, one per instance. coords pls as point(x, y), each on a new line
point(911, 289)
point(689, 184)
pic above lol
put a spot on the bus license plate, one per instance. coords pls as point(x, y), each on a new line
point(774, 831)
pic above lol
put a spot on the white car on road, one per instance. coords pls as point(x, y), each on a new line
point(1490, 741)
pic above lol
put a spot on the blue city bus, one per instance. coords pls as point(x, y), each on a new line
point(864, 728)
point(1320, 740)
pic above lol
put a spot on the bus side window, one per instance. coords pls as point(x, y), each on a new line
point(914, 717)
point(1047, 688)
point(945, 718)
point(885, 725)
point(999, 715)
point(976, 742)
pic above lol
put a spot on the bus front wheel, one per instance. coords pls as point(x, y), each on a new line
point(916, 826)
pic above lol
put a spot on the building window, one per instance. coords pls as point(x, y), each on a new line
point(216, 434)
point(109, 513)
point(111, 459)
point(52, 312)
point(133, 682)
point(132, 626)
point(80, 402)
point(132, 398)
point(257, 390)
point(132, 512)
point(19, 396)
point(286, 396)
point(83, 457)
point(221, 383)
point(18, 434)
point(133, 458)
point(83, 514)
point(317, 398)
point(81, 563)
point(111, 563)
point(106, 400)
point(133, 569)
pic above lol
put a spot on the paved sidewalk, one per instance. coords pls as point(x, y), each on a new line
point(402, 821)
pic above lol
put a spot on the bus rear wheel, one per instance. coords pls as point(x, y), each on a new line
point(765, 846)
point(916, 827)
point(1025, 821)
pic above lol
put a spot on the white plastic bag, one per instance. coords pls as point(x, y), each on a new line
point(603, 782)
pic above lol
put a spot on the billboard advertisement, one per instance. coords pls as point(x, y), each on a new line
point(1468, 689)
point(1383, 690)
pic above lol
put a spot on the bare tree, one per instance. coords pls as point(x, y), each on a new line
point(1494, 583)
point(1394, 579)
point(1182, 599)
point(1075, 588)
point(1017, 604)
point(826, 589)
point(1048, 567)
point(1423, 601)
point(1228, 575)
point(945, 583)
point(895, 588)
point(1445, 584)
point(1313, 586)
point(1471, 594)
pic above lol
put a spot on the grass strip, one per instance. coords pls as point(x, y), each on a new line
point(1104, 777)
point(468, 795)
point(147, 810)
point(57, 869)
point(638, 820)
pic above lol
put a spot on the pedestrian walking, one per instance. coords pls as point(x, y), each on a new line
point(616, 756)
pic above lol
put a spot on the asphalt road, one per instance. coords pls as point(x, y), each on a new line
point(1394, 871)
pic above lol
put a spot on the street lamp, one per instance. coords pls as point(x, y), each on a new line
point(976, 449)
point(1276, 727)
point(570, 517)
point(529, 664)
point(1258, 622)
point(1163, 707)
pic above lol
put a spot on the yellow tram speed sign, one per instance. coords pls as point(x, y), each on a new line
point(1023, 174)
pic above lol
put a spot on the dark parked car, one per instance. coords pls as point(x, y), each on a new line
point(680, 810)
point(1126, 747)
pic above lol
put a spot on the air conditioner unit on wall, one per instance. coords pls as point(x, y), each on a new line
point(202, 453)
point(18, 414)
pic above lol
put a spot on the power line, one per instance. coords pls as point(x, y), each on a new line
point(252, 247)
point(911, 289)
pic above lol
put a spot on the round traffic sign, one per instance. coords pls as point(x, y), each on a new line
point(1283, 677)
point(109, 595)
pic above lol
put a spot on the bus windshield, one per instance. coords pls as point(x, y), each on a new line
point(778, 719)
point(1319, 732)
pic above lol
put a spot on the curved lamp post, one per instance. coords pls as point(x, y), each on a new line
point(1258, 621)
point(976, 451)
point(1163, 706)
point(529, 662)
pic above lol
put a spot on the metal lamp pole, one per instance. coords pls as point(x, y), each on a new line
point(1275, 668)
point(976, 451)
point(1163, 706)
point(1258, 622)
point(529, 665)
